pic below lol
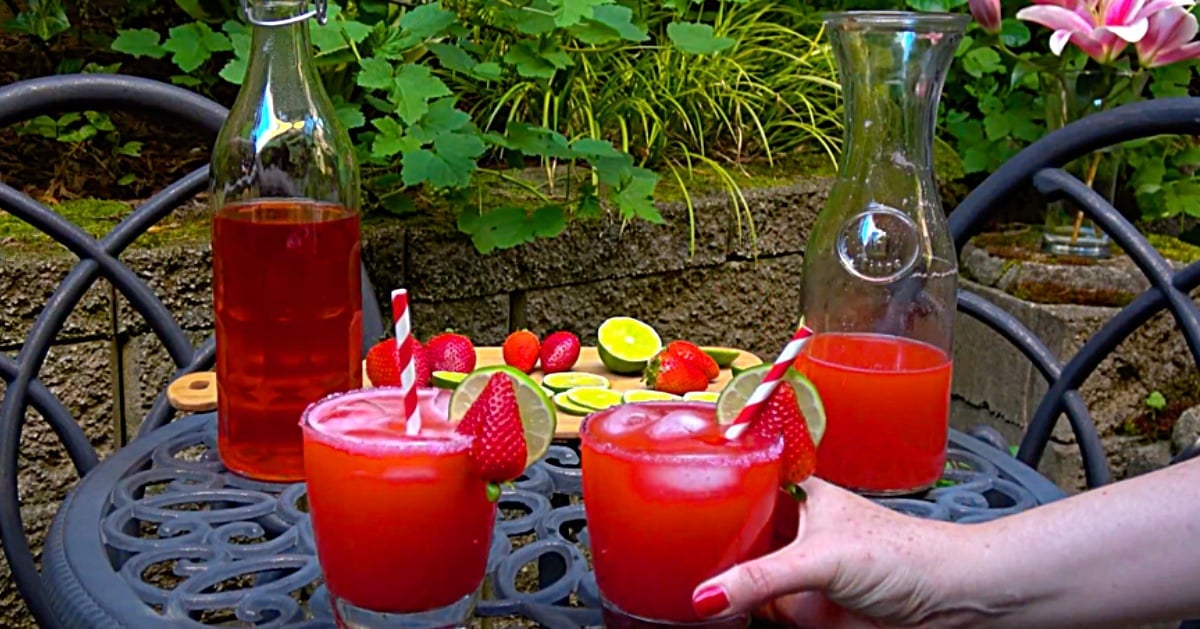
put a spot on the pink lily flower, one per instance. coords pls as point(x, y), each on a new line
point(1169, 38)
point(1100, 28)
point(987, 13)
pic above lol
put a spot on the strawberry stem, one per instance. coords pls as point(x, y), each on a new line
point(795, 491)
point(493, 491)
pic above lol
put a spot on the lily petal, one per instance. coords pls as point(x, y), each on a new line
point(1120, 11)
point(1131, 33)
point(1058, 42)
point(1183, 53)
point(1056, 18)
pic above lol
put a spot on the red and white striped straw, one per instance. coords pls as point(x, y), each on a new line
point(770, 381)
point(405, 345)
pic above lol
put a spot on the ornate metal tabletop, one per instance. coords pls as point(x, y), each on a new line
point(161, 534)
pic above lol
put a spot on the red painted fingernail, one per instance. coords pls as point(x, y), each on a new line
point(710, 600)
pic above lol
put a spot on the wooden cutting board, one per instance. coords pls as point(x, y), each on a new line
point(198, 392)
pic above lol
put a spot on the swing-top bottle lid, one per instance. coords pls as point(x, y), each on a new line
point(319, 11)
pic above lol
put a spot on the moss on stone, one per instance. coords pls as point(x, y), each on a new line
point(1055, 293)
point(1173, 248)
point(97, 217)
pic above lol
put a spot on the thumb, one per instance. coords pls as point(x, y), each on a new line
point(748, 586)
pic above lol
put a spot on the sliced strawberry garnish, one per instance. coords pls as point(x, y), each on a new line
point(494, 420)
point(781, 415)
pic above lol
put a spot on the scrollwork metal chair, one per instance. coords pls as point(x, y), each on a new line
point(98, 258)
point(1040, 165)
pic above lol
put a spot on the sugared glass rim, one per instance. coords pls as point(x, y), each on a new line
point(768, 453)
point(917, 21)
point(442, 445)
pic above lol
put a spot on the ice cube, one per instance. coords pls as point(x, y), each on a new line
point(624, 420)
point(433, 404)
point(698, 481)
point(677, 425)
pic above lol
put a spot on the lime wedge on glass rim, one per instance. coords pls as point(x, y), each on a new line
point(594, 398)
point(565, 405)
point(647, 395)
point(734, 395)
point(566, 380)
point(538, 417)
point(625, 344)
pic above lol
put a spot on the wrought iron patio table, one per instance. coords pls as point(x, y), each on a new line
point(161, 534)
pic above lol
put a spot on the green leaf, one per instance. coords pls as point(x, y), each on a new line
point(357, 32)
point(391, 139)
point(350, 114)
point(375, 74)
point(126, 179)
point(139, 42)
point(976, 158)
point(453, 58)
point(591, 148)
point(997, 125)
point(982, 61)
point(548, 221)
point(572, 12)
point(1182, 197)
point(193, 44)
point(500, 228)
point(620, 19)
point(131, 149)
point(234, 70)
point(1187, 157)
point(442, 117)
point(43, 19)
point(1171, 80)
point(448, 165)
point(528, 62)
point(413, 87)
point(940, 6)
point(101, 121)
point(77, 135)
point(635, 199)
point(531, 20)
point(1014, 33)
point(398, 204)
point(1156, 400)
point(42, 126)
point(537, 141)
point(588, 205)
point(427, 20)
point(489, 71)
point(697, 38)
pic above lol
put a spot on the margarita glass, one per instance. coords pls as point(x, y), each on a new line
point(670, 503)
point(402, 523)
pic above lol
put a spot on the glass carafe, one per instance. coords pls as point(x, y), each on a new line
point(284, 192)
point(880, 267)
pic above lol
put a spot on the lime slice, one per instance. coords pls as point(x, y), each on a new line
point(735, 394)
point(566, 380)
point(702, 396)
point(737, 371)
point(646, 395)
point(594, 398)
point(447, 379)
point(625, 344)
point(565, 405)
point(537, 411)
point(723, 355)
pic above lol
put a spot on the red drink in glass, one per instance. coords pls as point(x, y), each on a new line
point(402, 524)
point(288, 303)
point(887, 400)
point(670, 502)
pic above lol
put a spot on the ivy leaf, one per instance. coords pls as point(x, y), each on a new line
point(548, 221)
point(234, 70)
point(571, 12)
point(997, 125)
point(501, 228)
point(1014, 33)
point(442, 117)
point(356, 32)
point(139, 42)
point(489, 71)
point(193, 44)
point(391, 139)
point(537, 141)
point(427, 20)
point(620, 19)
point(375, 74)
point(350, 114)
point(453, 58)
point(697, 38)
point(635, 198)
point(43, 19)
point(413, 87)
point(982, 61)
point(448, 165)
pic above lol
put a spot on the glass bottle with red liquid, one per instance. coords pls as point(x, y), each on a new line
point(880, 268)
point(284, 190)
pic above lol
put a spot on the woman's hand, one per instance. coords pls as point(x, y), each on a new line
point(853, 564)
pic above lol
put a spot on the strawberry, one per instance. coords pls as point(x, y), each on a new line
point(449, 351)
point(494, 420)
point(693, 354)
point(521, 350)
point(421, 362)
point(560, 351)
point(381, 364)
point(670, 372)
point(781, 414)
